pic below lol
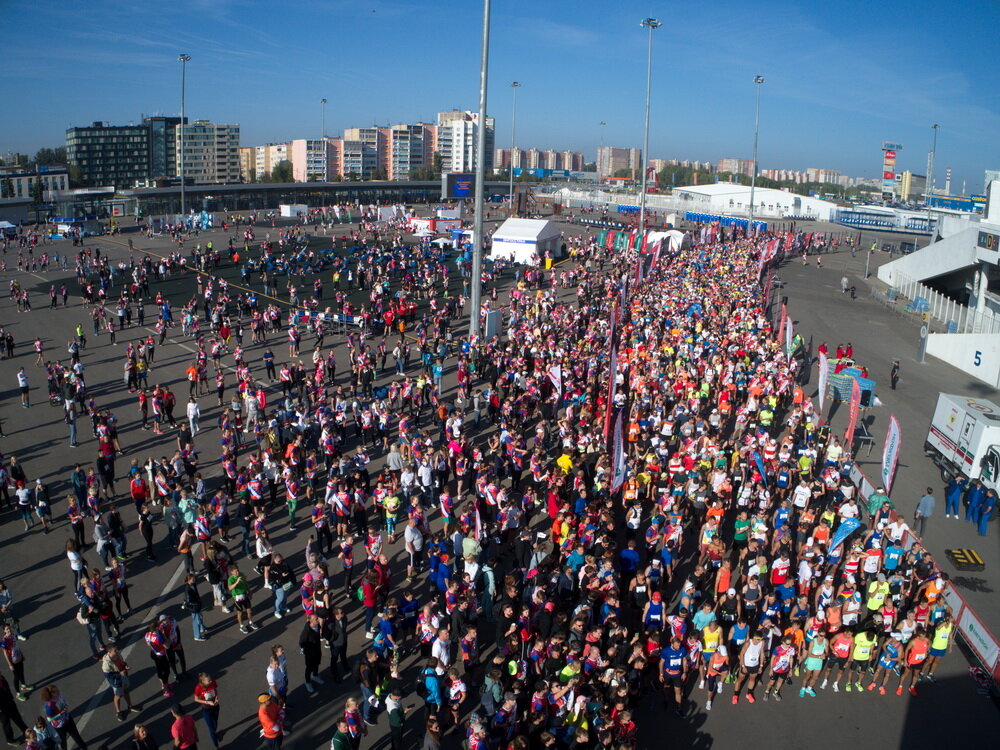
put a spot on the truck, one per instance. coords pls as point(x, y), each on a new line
point(964, 438)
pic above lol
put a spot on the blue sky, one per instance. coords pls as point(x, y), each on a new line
point(840, 77)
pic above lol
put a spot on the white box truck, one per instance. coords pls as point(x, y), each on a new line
point(964, 438)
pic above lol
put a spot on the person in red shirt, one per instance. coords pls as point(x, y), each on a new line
point(206, 694)
point(183, 730)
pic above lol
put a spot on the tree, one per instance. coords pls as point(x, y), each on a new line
point(37, 191)
point(75, 176)
point(590, 166)
point(379, 174)
point(282, 172)
point(47, 156)
point(7, 188)
point(438, 163)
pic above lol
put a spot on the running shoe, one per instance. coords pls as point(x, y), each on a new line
point(848, 687)
point(913, 690)
point(736, 699)
point(881, 690)
point(750, 698)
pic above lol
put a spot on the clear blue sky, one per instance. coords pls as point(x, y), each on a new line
point(840, 77)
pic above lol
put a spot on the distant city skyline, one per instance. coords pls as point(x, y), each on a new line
point(833, 92)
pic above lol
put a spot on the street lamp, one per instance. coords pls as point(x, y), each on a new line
point(651, 24)
point(323, 115)
point(475, 297)
point(758, 80)
point(183, 58)
point(929, 186)
point(513, 125)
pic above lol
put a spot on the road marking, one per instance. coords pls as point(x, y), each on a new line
point(95, 700)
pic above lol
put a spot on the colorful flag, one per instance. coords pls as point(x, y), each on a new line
point(852, 412)
point(824, 373)
point(617, 457)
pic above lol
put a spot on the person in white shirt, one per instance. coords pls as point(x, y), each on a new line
point(22, 384)
point(193, 415)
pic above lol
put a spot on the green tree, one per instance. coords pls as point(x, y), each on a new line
point(37, 191)
point(7, 188)
point(47, 156)
point(438, 164)
point(75, 176)
point(379, 174)
point(282, 172)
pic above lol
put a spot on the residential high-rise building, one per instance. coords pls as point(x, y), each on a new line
point(456, 140)
point(735, 166)
point(611, 160)
point(364, 152)
point(533, 159)
point(312, 160)
point(211, 152)
point(267, 157)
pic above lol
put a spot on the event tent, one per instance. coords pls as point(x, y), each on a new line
point(527, 240)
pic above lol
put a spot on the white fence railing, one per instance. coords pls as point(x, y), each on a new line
point(956, 317)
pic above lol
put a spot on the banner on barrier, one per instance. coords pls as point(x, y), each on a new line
point(890, 454)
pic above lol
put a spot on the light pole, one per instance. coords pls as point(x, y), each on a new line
point(929, 187)
point(758, 80)
point(513, 125)
point(650, 24)
point(475, 301)
point(323, 116)
point(183, 58)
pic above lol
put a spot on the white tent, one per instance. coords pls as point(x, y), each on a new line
point(527, 240)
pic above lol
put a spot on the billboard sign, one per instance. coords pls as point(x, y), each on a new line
point(457, 185)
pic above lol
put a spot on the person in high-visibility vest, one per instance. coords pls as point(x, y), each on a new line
point(941, 643)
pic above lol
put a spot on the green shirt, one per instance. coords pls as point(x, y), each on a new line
point(740, 530)
point(240, 587)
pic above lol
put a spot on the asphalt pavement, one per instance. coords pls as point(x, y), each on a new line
point(37, 572)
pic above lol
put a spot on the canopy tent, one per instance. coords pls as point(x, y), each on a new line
point(7, 229)
point(527, 240)
point(672, 239)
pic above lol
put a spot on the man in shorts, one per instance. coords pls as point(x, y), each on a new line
point(673, 670)
point(240, 589)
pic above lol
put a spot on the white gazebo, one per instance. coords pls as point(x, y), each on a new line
point(523, 240)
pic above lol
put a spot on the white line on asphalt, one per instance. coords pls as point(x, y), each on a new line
point(103, 687)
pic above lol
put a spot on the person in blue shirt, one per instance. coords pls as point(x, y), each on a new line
point(629, 560)
point(673, 670)
point(703, 616)
point(986, 508)
point(892, 556)
point(576, 559)
point(973, 499)
point(953, 495)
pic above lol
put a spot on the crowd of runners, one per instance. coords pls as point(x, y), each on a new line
point(628, 494)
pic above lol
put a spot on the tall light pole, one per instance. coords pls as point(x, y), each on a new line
point(475, 301)
point(929, 186)
point(513, 130)
point(651, 24)
point(183, 58)
point(323, 116)
point(758, 80)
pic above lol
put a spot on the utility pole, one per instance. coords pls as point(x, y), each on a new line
point(758, 80)
point(513, 125)
point(651, 24)
point(475, 302)
point(184, 58)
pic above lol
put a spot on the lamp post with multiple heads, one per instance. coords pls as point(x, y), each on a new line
point(183, 58)
point(475, 297)
point(513, 130)
point(651, 24)
point(758, 80)
point(323, 116)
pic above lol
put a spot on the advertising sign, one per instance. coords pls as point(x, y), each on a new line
point(890, 453)
point(457, 185)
